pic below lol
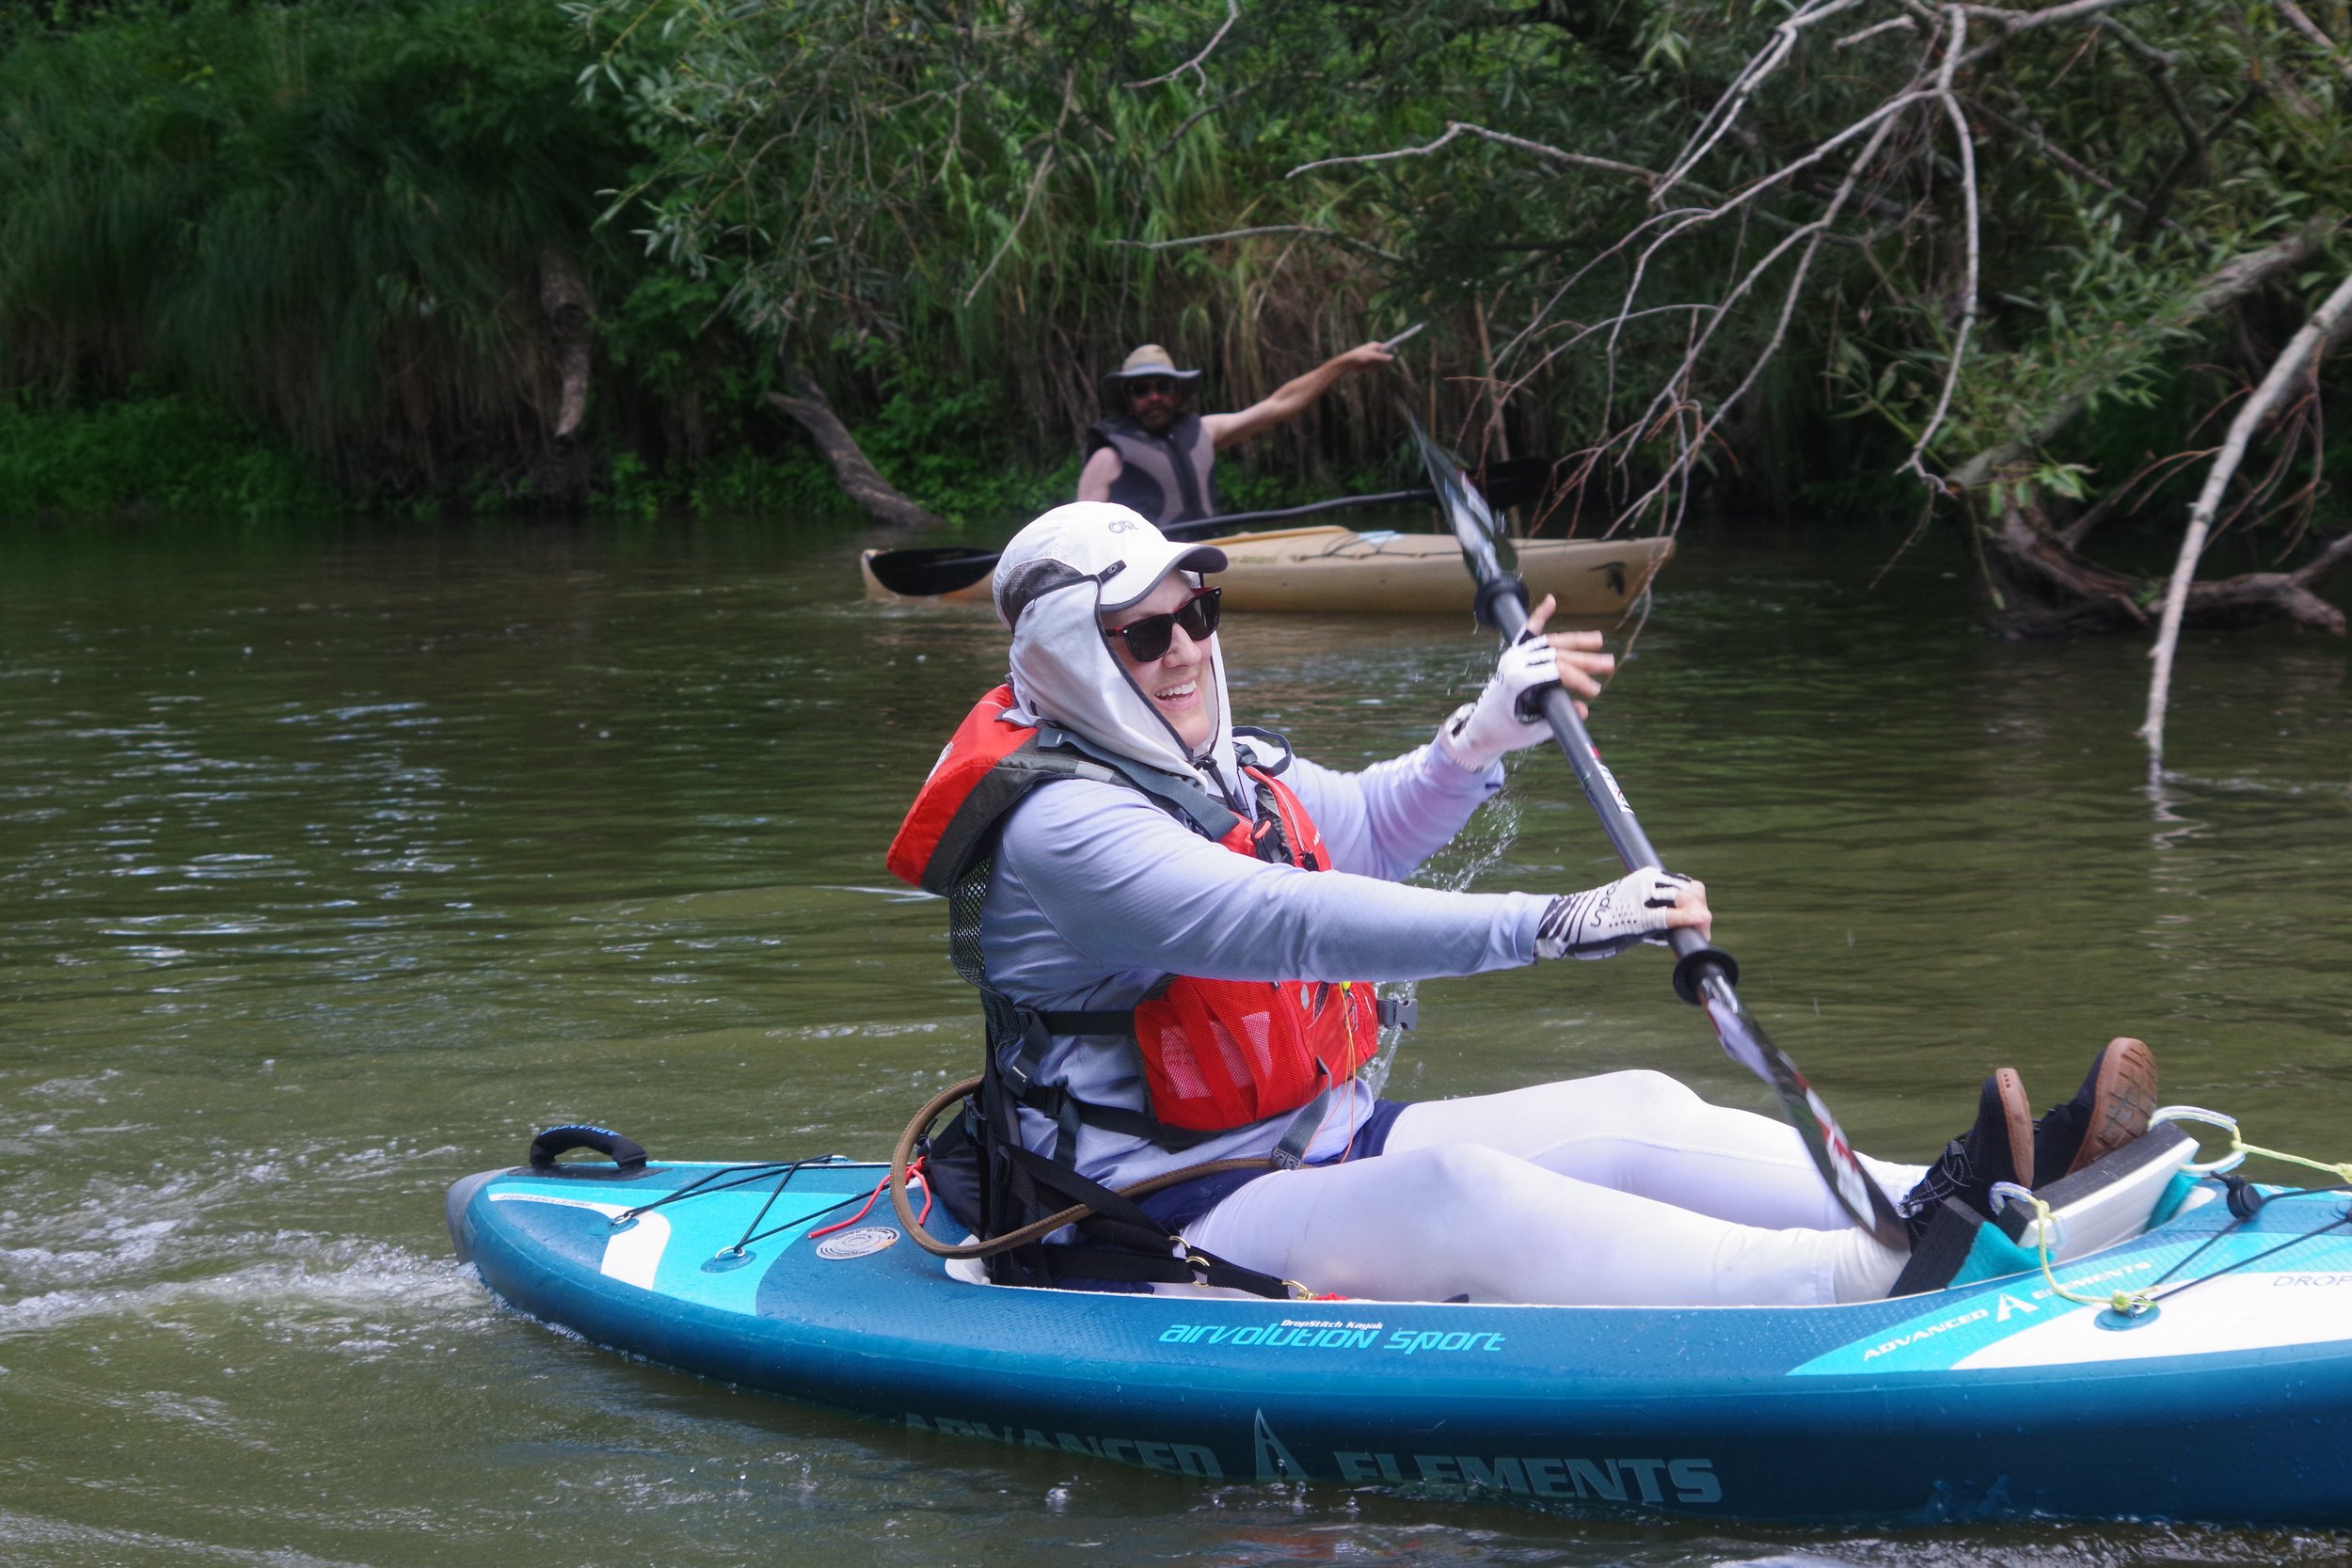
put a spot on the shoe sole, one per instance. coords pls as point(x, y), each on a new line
point(2124, 1094)
point(2018, 1112)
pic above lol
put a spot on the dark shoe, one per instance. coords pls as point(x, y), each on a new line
point(1995, 1149)
point(2108, 1112)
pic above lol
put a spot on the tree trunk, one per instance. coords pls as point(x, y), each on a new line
point(570, 313)
point(872, 493)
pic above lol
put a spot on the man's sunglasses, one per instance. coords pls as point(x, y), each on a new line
point(1149, 638)
point(1162, 385)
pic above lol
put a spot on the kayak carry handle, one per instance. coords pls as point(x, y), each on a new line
point(624, 1151)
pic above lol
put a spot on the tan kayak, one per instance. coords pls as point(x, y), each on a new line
point(1335, 569)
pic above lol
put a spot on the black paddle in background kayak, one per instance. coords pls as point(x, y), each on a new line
point(925, 570)
point(1704, 976)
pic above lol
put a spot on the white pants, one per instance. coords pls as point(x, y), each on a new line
point(1622, 1190)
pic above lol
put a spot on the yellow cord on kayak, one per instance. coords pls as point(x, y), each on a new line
point(2133, 1304)
point(2239, 1146)
point(2124, 1304)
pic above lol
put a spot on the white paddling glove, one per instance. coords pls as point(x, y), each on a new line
point(1477, 733)
point(1603, 922)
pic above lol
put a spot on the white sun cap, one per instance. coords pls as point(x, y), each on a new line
point(1097, 542)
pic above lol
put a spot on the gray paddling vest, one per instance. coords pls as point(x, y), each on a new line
point(1166, 478)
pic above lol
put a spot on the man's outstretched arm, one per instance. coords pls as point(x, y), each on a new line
point(1287, 400)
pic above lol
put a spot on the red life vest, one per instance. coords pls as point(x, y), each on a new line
point(1216, 1053)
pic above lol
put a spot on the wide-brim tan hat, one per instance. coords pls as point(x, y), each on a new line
point(1148, 360)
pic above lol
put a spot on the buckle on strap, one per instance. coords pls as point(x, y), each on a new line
point(1019, 1066)
point(1290, 1152)
point(1209, 1268)
point(1399, 1012)
point(1017, 1078)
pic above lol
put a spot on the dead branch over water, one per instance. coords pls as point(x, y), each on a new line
point(1900, 180)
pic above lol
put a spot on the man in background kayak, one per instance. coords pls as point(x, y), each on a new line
point(1153, 453)
point(1175, 926)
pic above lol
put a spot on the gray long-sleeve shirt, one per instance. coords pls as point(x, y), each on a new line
point(1098, 895)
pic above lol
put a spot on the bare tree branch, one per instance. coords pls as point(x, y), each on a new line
point(2296, 362)
point(1892, 24)
point(1331, 234)
point(2309, 29)
point(2221, 288)
point(1720, 117)
point(1968, 200)
point(2012, 22)
point(1459, 128)
point(1232, 14)
point(1812, 232)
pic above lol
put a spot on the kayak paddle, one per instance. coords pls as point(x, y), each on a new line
point(1704, 975)
point(926, 570)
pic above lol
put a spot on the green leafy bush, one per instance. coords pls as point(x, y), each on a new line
point(151, 453)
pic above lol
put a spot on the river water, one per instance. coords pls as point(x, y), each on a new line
point(333, 862)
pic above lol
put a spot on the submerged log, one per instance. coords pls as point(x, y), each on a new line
point(2044, 586)
point(874, 495)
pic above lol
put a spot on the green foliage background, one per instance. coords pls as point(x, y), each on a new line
point(315, 232)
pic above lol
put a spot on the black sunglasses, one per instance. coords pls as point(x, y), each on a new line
point(1149, 638)
point(1165, 386)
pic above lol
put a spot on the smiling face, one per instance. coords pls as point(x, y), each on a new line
point(1176, 682)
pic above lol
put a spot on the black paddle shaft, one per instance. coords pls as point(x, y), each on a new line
point(1695, 960)
point(1704, 975)
point(924, 570)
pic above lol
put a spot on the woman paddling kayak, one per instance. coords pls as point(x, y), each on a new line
point(1176, 945)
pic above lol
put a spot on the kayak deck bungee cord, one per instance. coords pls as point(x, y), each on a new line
point(2150, 1339)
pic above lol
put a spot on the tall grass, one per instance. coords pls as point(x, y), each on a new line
point(327, 217)
point(332, 219)
point(952, 197)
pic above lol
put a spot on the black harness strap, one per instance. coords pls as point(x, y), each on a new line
point(1019, 1067)
point(1121, 1222)
point(1117, 1020)
point(1291, 1151)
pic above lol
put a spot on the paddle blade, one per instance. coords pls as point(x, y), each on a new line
point(1486, 549)
point(929, 570)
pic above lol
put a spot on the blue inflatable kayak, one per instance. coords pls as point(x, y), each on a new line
point(2229, 1399)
